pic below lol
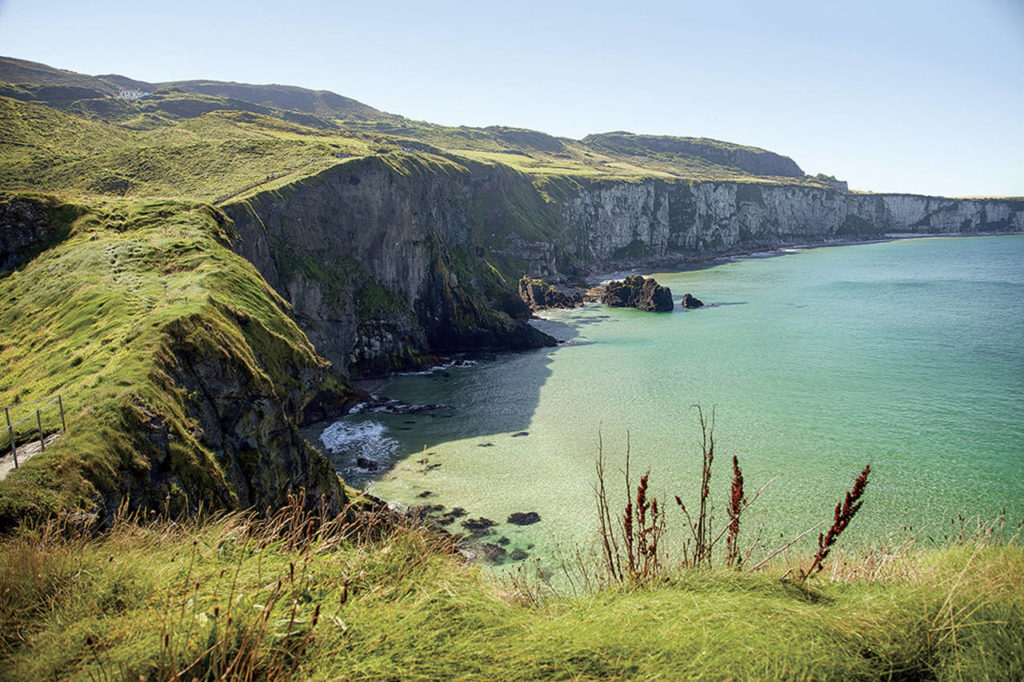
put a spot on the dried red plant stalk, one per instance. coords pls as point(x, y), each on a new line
point(844, 513)
point(736, 503)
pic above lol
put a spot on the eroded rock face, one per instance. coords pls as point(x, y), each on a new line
point(381, 266)
point(538, 294)
point(27, 226)
point(615, 224)
point(639, 292)
point(248, 424)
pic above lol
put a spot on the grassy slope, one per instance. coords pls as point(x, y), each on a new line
point(207, 158)
point(219, 153)
point(209, 141)
point(154, 600)
point(96, 318)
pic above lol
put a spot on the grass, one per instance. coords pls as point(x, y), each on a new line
point(298, 596)
point(105, 318)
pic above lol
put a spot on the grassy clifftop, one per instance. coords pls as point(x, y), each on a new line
point(179, 370)
point(209, 141)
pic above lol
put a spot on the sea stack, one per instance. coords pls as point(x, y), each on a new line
point(639, 292)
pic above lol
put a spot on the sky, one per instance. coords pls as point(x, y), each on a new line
point(895, 96)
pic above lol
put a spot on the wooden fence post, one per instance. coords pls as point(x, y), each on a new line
point(63, 425)
point(39, 423)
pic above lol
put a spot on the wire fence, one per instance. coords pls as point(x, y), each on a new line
point(30, 428)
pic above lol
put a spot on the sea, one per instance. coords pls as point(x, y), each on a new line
point(907, 355)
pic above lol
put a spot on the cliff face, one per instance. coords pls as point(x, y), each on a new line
point(30, 224)
point(388, 259)
point(383, 263)
point(244, 415)
point(611, 223)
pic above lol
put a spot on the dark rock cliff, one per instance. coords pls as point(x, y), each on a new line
point(30, 224)
point(384, 262)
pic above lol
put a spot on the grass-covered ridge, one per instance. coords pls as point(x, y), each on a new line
point(295, 597)
point(211, 141)
point(132, 318)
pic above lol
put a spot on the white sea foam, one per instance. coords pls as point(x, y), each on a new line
point(366, 440)
point(439, 368)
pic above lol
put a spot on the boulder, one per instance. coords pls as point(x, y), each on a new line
point(367, 464)
point(639, 292)
point(690, 301)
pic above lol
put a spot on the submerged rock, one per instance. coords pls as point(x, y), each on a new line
point(479, 525)
point(485, 552)
point(368, 464)
point(636, 291)
point(523, 518)
point(518, 554)
point(689, 301)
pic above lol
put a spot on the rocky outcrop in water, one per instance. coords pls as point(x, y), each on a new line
point(690, 302)
point(638, 292)
point(538, 294)
point(523, 518)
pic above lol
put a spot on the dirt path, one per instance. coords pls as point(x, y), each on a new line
point(25, 452)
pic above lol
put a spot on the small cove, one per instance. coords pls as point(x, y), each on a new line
point(908, 354)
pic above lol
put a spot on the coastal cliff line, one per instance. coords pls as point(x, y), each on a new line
point(386, 261)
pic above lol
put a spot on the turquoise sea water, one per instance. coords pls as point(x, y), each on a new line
point(906, 354)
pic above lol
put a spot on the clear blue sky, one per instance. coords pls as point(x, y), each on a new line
point(923, 96)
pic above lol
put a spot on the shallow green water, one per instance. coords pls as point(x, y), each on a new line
point(906, 354)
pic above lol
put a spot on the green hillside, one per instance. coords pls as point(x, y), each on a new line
point(205, 140)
